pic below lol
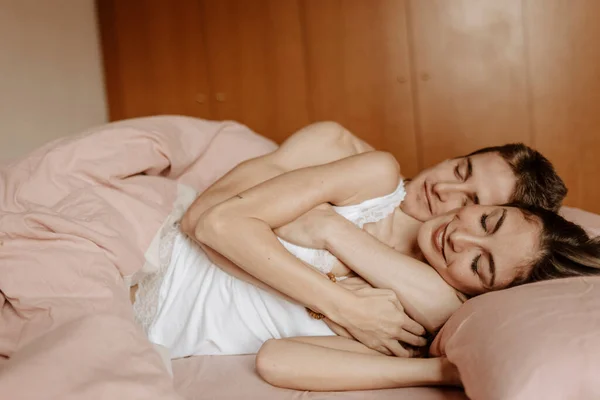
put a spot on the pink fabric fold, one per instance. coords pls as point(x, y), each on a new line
point(75, 217)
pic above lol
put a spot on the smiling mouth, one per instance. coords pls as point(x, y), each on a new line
point(427, 197)
point(440, 240)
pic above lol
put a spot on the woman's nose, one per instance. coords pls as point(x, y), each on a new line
point(461, 240)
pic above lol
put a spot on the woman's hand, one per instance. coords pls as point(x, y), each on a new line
point(377, 319)
point(310, 229)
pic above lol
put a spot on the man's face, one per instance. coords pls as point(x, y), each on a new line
point(480, 179)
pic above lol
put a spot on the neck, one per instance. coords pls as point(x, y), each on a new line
point(406, 230)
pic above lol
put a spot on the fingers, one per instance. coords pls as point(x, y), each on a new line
point(383, 350)
point(337, 329)
point(415, 352)
point(396, 348)
point(411, 339)
point(413, 327)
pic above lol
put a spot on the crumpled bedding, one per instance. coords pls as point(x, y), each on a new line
point(75, 217)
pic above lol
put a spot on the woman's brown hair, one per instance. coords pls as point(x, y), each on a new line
point(566, 250)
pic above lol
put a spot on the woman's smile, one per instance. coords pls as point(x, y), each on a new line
point(439, 239)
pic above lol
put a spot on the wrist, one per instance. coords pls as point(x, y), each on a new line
point(439, 371)
point(340, 305)
point(418, 372)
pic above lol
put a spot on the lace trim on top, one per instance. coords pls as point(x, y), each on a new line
point(148, 293)
point(373, 210)
point(368, 211)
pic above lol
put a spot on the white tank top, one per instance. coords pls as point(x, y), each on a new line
point(368, 211)
point(192, 307)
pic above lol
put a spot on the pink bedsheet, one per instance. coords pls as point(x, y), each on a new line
point(234, 377)
point(76, 216)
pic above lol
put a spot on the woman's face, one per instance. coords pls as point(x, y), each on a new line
point(476, 249)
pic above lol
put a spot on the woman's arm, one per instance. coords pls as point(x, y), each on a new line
point(423, 293)
point(336, 364)
point(241, 230)
point(426, 297)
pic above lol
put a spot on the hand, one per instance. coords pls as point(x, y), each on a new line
point(309, 230)
point(377, 319)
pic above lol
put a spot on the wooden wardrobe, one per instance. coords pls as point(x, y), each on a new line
point(423, 79)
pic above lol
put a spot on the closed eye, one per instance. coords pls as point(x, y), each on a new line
point(457, 172)
point(475, 265)
point(484, 218)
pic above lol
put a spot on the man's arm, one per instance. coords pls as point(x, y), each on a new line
point(241, 229)
point(423, 293)
point(317, 144)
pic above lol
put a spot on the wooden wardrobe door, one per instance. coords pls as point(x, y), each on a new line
point(471, 75)
point(154, 57)
point(358, 72)
point(564, 54)
point(256, 64)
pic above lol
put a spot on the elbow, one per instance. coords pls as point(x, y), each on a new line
point(211, 226)
point(267, 365)
point(188, 223)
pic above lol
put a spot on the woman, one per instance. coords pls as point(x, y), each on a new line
point(488, 176)
point(202, 310)
point(340, 363)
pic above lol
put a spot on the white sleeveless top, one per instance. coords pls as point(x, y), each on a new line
point(192, 307)
point(368, 211)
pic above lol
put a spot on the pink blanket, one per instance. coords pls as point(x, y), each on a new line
point(76, 216)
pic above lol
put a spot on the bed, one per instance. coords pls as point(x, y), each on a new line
point(78, 218)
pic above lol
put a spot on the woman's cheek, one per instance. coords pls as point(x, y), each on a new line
point(460, 277)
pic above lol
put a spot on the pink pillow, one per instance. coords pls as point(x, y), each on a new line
point(539, 341)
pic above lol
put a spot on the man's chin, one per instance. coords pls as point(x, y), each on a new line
point(415, 212)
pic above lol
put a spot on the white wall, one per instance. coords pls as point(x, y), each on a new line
point(51, 82)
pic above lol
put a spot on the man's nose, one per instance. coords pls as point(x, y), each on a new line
point(448, 191)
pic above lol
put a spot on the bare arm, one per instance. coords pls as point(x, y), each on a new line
point(424, 294)
point(241, 230)
point(426, 297)
point(317, 144)
point(336, 363)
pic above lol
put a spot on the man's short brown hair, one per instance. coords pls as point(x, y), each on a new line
point(538, 184)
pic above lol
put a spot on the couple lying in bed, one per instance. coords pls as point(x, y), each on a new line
point(324, 255)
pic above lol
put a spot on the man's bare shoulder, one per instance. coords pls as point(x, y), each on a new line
point(319, 143)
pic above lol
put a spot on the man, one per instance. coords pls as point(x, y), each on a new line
point(490, 176)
